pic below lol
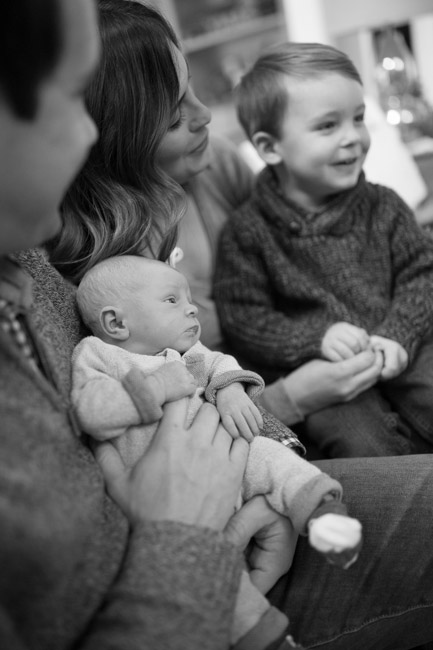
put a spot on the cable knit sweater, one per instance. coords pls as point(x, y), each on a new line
point(284, 275)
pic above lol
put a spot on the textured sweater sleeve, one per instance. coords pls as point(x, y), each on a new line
point(221, 370)
point(176, 591)
point(176, 587)
point(410, 316)
point(248, 311)
point(102, 405)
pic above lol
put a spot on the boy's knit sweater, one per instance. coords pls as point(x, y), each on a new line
point(284, 275)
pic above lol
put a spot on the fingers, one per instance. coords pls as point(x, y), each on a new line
point(244, 423)
point(344, 340)
point(113, 469)
point(230, 426)
point(206, 423)
point(174, 415)
point(340, 351)
point(254, 419)
point(253, 516)
point(360, 362)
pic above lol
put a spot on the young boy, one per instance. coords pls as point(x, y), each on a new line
point(141, 313)
point(319, 263)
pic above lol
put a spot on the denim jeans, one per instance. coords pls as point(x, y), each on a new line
point(385, 600)
point(391, 419)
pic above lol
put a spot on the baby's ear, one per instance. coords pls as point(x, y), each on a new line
point(113, 323)
point(266, 147)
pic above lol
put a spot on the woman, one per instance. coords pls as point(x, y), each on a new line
point(154, 136)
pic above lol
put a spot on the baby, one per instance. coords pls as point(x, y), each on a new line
point(142, 318)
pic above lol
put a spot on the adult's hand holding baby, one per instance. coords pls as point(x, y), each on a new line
point(269, 538)
point(192, 476)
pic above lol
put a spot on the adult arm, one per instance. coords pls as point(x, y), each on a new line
point(191, 476)
point(63, 557)
point(320, 383)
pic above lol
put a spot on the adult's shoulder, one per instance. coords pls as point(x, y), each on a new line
point(54, 296)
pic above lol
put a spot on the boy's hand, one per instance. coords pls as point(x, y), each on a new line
point(239, 415)
point(395, 357)
point(177, 381)
point(343, 341)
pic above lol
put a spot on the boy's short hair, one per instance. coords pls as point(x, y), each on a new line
point(31, 42)
point(261, 96)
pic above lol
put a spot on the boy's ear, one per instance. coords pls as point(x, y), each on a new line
point(267, 147)
point(113, 323)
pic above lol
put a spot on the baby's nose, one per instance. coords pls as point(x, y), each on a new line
point(192, 310)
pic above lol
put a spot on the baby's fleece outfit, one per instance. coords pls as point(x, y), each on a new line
point(292, 486)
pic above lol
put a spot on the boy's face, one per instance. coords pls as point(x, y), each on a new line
point(40, 157)
point(324, 139)
point(159, 313)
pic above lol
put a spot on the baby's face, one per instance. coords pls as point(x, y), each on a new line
point(159, 313)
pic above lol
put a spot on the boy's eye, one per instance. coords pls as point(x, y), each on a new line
point(359, 118)
point(171, 299)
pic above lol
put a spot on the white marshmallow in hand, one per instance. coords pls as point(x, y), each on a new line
point(337, 537)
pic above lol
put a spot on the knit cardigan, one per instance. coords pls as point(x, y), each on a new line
point(285, 275)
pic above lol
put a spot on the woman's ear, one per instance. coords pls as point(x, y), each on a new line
point(267, 147)
point(113, 323)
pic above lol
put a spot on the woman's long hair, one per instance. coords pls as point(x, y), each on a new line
point(121, 202)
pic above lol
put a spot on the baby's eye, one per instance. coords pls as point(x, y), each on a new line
point(171, 299)
point(326, 126)
point(359, 118)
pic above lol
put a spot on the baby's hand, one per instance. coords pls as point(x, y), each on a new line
point(343, 341)
point(175, 381)
point(239, 415)
point(395, 357)
point(337, 537)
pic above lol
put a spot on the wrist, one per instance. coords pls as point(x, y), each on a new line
point(295, 393)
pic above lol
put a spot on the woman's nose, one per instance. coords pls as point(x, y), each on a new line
point(201, 117)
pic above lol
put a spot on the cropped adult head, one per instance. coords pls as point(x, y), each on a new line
point(48, 50)
point(122, 201)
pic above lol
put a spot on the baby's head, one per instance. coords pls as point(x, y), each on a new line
point(302, 106)
point(139, 304)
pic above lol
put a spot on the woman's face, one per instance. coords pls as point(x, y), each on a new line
point(184, 150)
